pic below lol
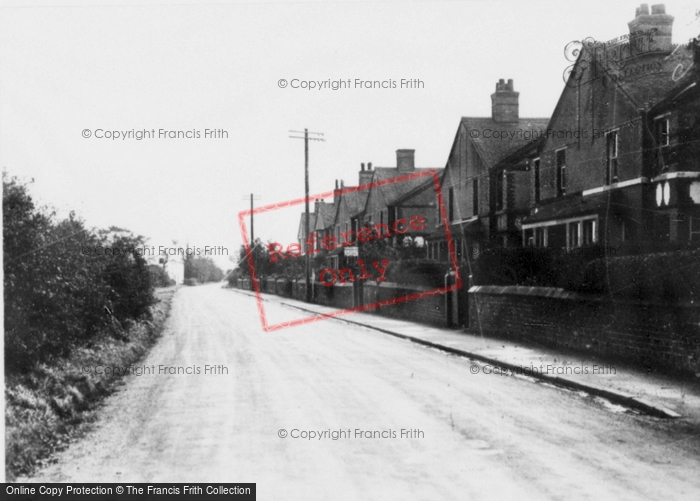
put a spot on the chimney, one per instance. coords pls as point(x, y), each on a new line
point(336, 193)
point(504, 102)
point(650, 32)
point(365, 175)
point(405, 161)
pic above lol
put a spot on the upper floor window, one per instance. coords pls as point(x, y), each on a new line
point(451, 205)
point(536, 168)
point(475, 196)
point(499, 187)
point(661, 140)
point(661, 132)
point(561, 172)
point(611, 143)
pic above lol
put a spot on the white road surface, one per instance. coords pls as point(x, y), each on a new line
point(481, 436)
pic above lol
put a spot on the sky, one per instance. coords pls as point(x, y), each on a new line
point(87, 69)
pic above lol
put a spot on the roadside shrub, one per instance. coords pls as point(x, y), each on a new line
point(191, 281)
point(666, 276)
point(159, 277)
point(202, 269)
point(531, 266)
point(417, 272)
point(59, 291)
point(233, 276)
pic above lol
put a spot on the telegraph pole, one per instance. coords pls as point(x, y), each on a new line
point(307, 229)
point(252, 228)
point(250, 251)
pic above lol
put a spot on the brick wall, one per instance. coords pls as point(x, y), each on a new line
point(650, 335)
point(426, 310)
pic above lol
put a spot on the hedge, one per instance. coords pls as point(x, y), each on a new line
point(665, 276)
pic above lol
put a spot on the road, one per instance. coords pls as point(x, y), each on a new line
point(482, 436)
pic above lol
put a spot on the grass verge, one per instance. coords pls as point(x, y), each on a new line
point(44, 407)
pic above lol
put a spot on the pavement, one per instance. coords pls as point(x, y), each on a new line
point(658, 395)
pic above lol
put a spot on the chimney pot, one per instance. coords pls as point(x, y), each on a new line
point(658, 9)
point(369, 166)
point(362, 166)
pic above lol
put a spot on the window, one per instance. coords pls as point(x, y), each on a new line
point(590, 234)
point(541, 237)
point(498, 189)
point(451, 205)
point(611, 157)
point(662, 132)
point(351, 237)
point(574, 240)
point(661, 138)
point(475, 196)
point(561, 172)
point(695, 228)
point(536, 167)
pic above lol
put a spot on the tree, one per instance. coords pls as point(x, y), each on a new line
point(61, 286)
point(202, 269)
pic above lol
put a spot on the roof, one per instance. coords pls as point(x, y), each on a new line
point(301, 232)
point(519, 155)
point(355, 201)
point(655, 78)
point(325, 214)
point(393, 192)
point(492, 149)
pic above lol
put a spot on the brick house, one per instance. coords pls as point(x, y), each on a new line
point(615, 145)
point(320, 223)
point(511, 195)
point(469, 182)
point(390, 202)
point(348, 209)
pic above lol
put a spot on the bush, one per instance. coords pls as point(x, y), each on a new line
point(423, 272)
point(202, 269)
point(666, 276)
point(191, 281)
point(531, 266)
point(159, 277)
point(58, 291)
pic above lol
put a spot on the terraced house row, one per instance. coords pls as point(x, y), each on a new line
point(617, 164)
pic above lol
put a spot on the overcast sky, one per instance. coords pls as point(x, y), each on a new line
point(197, 66)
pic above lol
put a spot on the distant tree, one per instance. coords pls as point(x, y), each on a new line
point(262, 262)
point(202, 269)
